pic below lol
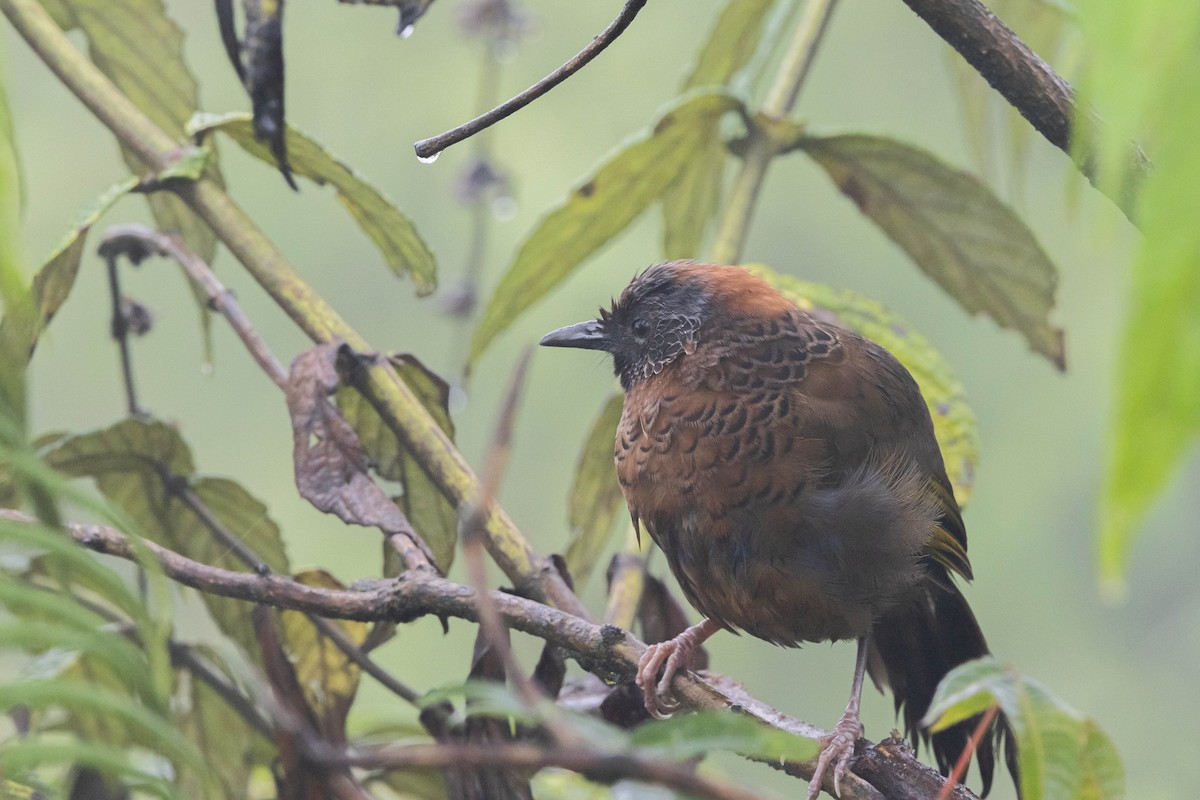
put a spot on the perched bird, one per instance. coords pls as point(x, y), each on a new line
point(788, 470)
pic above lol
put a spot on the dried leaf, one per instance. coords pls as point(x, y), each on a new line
point(263, 76)
point(955, 229)
point(330, 463)
point(663, 618)
point(429, 512)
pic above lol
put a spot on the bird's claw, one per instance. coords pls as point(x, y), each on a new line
point(668, 657)
point(838, 750)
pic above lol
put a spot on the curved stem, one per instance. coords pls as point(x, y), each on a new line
point(780, 100)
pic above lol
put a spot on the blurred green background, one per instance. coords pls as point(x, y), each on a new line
point(368, 95)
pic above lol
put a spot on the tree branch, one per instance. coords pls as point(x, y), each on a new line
point(605, 650)
point(1027, 82)
point(597, 765)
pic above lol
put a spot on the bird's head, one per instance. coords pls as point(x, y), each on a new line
point(663, 314)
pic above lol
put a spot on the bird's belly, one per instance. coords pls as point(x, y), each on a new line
point(741, 581)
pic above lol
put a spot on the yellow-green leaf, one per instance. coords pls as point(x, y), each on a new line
point(690, 203)
point(53, 282)
point(731, 44)
point(391, 231)
point(1062, 755)
point(1156, 419)
point(953, 420)
point(327, 676)
point(955, 229)
point(595, 495)
point(617, 193)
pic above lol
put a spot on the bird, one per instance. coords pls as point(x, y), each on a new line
point(788, 469)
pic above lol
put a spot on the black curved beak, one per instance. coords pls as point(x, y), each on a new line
point(588, 335)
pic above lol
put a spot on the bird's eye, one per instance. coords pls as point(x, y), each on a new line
point(640, 327)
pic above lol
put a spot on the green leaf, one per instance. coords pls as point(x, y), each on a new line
point(691, 201)
point(139, 725)
point(595, 495)
point(1156, 418)
point(1063, 755)
point(690, 735)
point(135, 44)
point(19, 755)
point(391, 231)
point(19, 315)
point(617, 193)
point(430, 513)
point(231, 747)
point(130, 461)
point(53, 282)
point(953, 421)
point(955, 229)
point(731, 43)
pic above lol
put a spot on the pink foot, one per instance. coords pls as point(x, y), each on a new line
point(669, 657)
point(838, 751)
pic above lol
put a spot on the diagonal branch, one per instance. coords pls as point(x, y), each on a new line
point(1027, 82)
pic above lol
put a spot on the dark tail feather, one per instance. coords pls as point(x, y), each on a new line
point(917, 644)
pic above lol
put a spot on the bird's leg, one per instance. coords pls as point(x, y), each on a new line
point(839, 745)
point(669, 656)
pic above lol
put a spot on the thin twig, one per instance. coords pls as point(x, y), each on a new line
point(600, 766)
point(219, 297)
point(120, 332)
point(185, 656)
point(429, 148)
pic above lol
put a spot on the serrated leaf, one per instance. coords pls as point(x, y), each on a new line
point(431, 514)
point(392, 232)
point(955, 229)
point(617, 193)
point(1062, 755)
point(953, 421)
point(327, 676)
point(596, 497)
point(52, 283)
point(731, 43)
point(690, 735)
point(130, 461)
